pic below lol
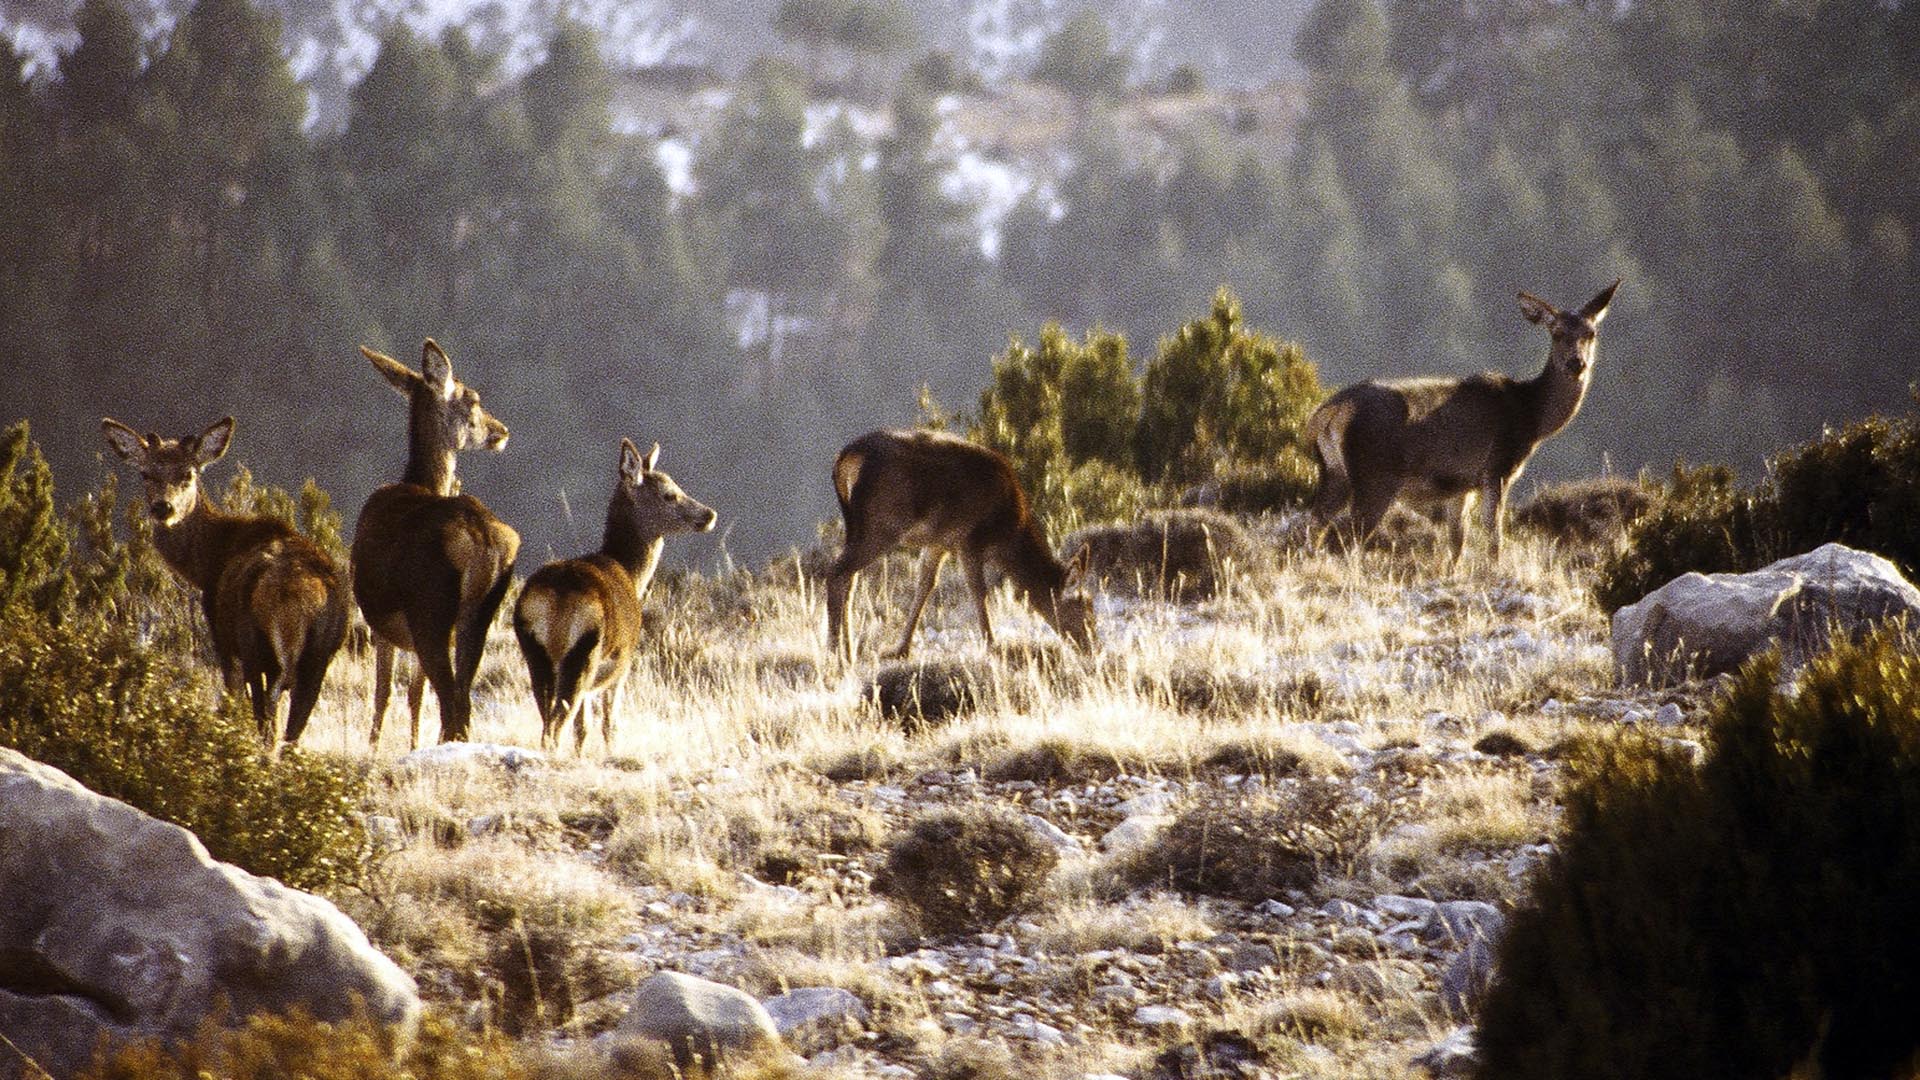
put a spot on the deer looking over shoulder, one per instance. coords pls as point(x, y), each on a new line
point(275, 603)
point(430, 567)
point(578, 620)
point(1450, 440)
point(933, 491)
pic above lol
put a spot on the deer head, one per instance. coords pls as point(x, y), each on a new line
point(1073, 608)
point(649, 502)
point(169, 468)
point(446, 413)
point(1574, 332)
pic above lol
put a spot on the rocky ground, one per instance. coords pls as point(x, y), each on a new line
point(1415, 719)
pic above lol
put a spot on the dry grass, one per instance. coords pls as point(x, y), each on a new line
point(752, 781)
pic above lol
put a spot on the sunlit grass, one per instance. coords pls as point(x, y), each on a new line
point(743, 774)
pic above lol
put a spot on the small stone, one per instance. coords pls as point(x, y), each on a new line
point(1342, 911)
point(1275, 908)
point(698, 1017)
point(1463, 920)
point(1134, 833)
point(1160, 1016)
point(1251, 956)
point(1379, 980)
point(1404, 907)
point(810, 1005)
point(1467, 977)
point(1670, 715)
point(959, 1023)
point(1054, 835)
point(1153, 802)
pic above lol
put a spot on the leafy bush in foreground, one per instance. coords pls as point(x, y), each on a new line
point(1741, 919)
point(133, 723)
point(95, 691)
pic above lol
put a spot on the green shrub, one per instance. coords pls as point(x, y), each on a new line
point(1743, 919)
point(131, 721)
point(33, 545)
point(1254, 847)
point(98, 681)
point(1702, 522)
point(1217, 392)
point(1063, 412)
point(1859, 486)
point(964, 870)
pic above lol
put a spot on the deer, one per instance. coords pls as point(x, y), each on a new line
point(1449, 440)
point(947, 496)
point(431, 567)
point(275, 603)
point(578, 620)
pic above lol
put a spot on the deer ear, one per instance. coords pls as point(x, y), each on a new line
point(124, 440)
point(1537, 310)
point(653, 456)
point(1077, 566)
point(1596, 308)
point(211, 445)
point(398, 375)
point(437, 367)
point(630, 465)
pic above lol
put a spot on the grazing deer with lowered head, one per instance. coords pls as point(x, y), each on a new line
point(578, 620)
point(930, 490)
point(430, 567)
point(1451, 440)
point(275, 603)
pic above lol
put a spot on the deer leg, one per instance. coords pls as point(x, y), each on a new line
point(436, 663)
point(857, 556)
point(540, 675)
point(260, 691)
point(1329, 499)
point(1493, 504)
point(930, 563)
point(1370, 504)
point(382, 686)
point(1456, 512)
point(310, 671)
point(611, 702)
point(976, 570)
point(469, 642)
point(416, 697)
point(584, 720)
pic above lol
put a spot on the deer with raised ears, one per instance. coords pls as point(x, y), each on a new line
point(276, 605)
point(578, 620)
point(430, 567)
point(1450, 440)
point(947, 496)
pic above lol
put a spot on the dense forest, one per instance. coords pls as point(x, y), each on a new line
point(182, 240)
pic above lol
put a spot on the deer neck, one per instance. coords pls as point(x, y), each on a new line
point(1030, 564)
point(190, 546)
point(637, 552)
point(429, 460)
point(1553, 397)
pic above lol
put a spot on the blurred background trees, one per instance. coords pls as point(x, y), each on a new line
point(754, 257)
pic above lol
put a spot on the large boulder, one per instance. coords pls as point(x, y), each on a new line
point(698, 1018)
point(1706, 624)
point(117, 925)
